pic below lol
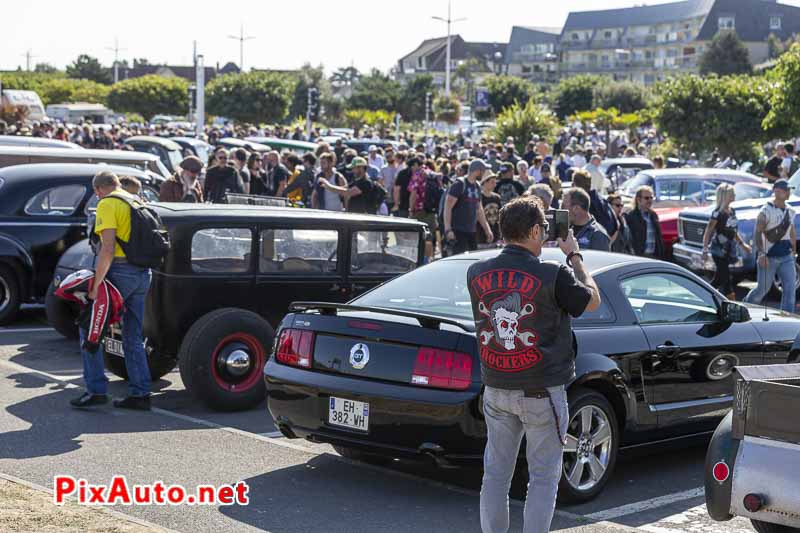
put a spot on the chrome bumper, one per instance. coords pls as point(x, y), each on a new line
point(691, 257)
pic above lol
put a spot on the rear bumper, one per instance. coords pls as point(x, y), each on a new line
point(404, 421)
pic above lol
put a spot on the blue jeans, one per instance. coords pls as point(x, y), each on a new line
point(133, 283)
point(785, 268)
point(510, 416)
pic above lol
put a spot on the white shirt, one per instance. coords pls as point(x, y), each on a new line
point(578, 160)
point(774, 216)
point(376, 161)
point(598, 179)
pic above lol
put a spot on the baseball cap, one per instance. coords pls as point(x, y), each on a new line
point(191, 163)
point(357, 162)
point(506, 167)
point(782, 185)
point(477, 165)
point(373, 148)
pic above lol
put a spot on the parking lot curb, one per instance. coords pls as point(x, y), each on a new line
point(111, 512)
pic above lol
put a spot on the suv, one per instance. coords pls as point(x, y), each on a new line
point(229, 278)
point(43, 211)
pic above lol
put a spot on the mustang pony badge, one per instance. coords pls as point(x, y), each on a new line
point(506, 297)
point(359, 356)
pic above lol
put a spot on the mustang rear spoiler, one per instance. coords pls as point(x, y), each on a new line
point(426, 321)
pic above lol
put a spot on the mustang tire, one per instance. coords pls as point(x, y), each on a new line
point(592, 441)
point(768, 527)
point(159, 365)
point(61, 314)
point(9, 295)
point(222, 359)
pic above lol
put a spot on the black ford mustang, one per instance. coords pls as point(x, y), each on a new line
point(395, 373)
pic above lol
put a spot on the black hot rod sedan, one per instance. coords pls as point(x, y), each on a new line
point(395, 373)
point(43, 211)
point(228, 280)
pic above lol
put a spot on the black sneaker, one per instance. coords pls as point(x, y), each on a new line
point(139, 403)
point(88, 400)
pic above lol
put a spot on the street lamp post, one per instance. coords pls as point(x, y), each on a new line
point(449, 20)
point(241, 38)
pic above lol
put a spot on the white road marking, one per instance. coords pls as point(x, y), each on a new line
point(696, 520)
point(272, 434)
point(25, 330)
point(645, 505)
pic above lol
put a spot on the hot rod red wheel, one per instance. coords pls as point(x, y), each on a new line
point(237, 362)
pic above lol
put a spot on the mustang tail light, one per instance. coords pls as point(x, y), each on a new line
point(442, 369)
point(295, 347)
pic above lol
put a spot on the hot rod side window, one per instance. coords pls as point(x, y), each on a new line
point(221, 250)
point(58, 201)
point(384, 252)
point(298, 251)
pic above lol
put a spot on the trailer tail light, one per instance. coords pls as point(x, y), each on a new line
point(721, 472)
point(753, 503)
point(295, 347)
point(442, 369)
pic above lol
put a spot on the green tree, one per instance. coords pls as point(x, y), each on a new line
point(307, 77)
point(375, 91)
point(150, 95)
point(345, 76)
point(784, 82)
point(447, 109)
point(412, 97)
point(726, 55)
point(45, 68)
point(710, 113)
point(505, 90)
point(63, 90)
point(523, 121)
point(575, 94)
point(255, 97)
point(358, 118)
point(625, 96)
point(87, 67)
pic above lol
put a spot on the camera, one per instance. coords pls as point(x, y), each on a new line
point(557, 223)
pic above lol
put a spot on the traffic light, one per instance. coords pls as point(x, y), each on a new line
point(313, 103)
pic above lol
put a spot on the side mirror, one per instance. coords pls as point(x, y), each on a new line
point(733, 312)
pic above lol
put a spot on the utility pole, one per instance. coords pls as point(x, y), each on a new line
point(116, 51)
point(200, 76)
point(28, 56)
point(241, 38)
point(449, 20)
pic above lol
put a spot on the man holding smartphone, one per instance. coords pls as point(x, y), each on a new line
point(522, 308)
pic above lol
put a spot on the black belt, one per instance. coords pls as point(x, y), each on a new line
point(544, 393)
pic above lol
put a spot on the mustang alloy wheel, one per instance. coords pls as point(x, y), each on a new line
point(591, 446)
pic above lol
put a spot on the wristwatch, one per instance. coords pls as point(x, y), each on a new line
point(571, 255)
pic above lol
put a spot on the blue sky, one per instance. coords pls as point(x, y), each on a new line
point(287, 33)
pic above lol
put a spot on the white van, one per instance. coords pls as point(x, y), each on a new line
point(27, 99)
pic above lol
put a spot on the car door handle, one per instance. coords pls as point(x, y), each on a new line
point(668, 350)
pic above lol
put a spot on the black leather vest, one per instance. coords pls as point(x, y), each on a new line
point(524, 337)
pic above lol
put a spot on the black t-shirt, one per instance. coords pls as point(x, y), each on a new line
point(509, 189)
point(773, 167)
point(572, 295)
point(222, 179)
point(276, 176)
point(726, 226)
point(402, 180)
point(244, 172)
point(360, 203)
point(491, 208)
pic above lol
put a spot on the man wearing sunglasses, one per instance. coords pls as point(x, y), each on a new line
point(222, 178)
point(645, 226)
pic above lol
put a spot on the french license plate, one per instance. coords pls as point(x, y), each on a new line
point(348, 413)
point(114, 347)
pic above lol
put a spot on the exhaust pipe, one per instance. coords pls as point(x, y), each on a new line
point(436, 453)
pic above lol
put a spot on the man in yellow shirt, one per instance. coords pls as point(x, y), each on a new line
point(113, 223)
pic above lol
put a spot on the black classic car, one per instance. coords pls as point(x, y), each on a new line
point(169, 152)
point(396, 373)
point(43, 211)
point(229, 278)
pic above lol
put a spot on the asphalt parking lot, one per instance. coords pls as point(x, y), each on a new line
point(295, 486)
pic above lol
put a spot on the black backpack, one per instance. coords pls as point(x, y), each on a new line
point(375, 197)
point(148, 243)
point(433, 194)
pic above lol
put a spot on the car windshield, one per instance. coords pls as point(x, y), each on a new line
point(440, 288)
point(748, 191)
point(175, 158)
point(629, 189)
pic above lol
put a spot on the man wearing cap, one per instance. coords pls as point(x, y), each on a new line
point(463, 211)
point(775, 244)
point(507, 187)
point(358, 192)
point(184, 185)
point(375, 159)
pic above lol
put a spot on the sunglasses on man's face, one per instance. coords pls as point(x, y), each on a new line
point(647, 197)
point(222, 157)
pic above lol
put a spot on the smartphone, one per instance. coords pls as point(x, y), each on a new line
point(558, 223)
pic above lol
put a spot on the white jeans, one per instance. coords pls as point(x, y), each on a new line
point(510, 416)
